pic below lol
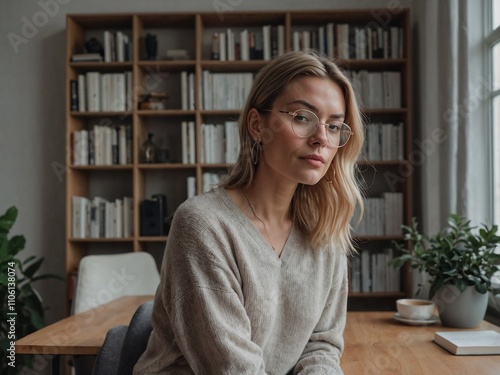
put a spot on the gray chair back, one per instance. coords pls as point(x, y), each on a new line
point(107, 360)
point(136, 339)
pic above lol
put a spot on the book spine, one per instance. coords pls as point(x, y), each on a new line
point(74, 94)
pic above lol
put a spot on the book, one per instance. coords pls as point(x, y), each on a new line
point(79, 57)
point(485, 342)
point(74, 94)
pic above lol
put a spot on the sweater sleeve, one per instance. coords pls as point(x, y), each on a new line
point(204, 302)
point(321, 356)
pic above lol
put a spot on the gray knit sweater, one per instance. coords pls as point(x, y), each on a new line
point(227, 304)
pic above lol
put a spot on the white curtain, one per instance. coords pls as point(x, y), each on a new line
point(451, 130)
point(451, 134)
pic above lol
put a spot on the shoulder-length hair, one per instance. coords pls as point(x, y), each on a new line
point(323, 211)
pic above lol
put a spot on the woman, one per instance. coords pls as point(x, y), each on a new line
point(254, 276)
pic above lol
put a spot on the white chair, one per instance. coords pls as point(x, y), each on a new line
point(103, 278)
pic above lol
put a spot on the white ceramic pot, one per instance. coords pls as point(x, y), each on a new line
point(460, 310)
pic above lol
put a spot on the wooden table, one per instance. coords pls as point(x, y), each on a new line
point(80, 334)
point(377, 344)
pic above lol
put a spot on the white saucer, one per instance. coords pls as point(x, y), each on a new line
point(419, 322)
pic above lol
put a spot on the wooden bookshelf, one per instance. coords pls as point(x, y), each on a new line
point(193, 32)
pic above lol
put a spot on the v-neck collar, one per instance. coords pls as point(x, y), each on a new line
point(290, 244)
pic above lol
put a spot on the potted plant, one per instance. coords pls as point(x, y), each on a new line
point(460, 261)
point(22, 308)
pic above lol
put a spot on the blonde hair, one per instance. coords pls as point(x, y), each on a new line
point(324, 210)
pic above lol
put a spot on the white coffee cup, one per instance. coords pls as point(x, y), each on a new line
point(415, 309)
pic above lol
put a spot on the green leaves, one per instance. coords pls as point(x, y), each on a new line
point(18, 276)
point(457, 255)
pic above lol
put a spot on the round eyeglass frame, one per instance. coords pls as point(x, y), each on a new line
point(344, 127)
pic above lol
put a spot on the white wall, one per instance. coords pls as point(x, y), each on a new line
point(32, 107)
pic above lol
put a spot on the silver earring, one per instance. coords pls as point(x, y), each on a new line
point(256, 149)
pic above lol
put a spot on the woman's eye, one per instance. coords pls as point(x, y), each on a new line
point(334, 128)
point(303, 119)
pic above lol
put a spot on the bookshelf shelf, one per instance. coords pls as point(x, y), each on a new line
point(184, 173)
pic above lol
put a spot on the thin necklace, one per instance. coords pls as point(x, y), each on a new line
point(262, 221)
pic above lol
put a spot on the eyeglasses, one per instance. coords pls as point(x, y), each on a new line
point(304, 124)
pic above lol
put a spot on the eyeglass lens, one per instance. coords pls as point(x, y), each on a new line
point(305, 123)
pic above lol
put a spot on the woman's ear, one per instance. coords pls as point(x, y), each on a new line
point(253, 124)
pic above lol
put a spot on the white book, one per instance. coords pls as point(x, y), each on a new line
point(119, 93)
point(232, 141)
point(129, 91)
point(98, 131)
point(374, 147)
point(306, 40)
point(77, 141)
point(365, 272)
point(281, 39)
point(191, 95)
point(206, 82)
point(387, 143)
point(356, 275)
point(230, 45)
point(118, 218)
point(84, 147)
point(483, 342)
point(398, 137)
point(296, 41)
point(109, 220)
point(342, 36)
point(330, 40)
point(107, 46)
point(222, 47)
point(191, 142)
point(185, 142)
point(82, 93)
point(219, 143)
point(106, 92)
point(122, 145)
point(93, 85)
point(244, 45)
point(205, 129)
point(376, 90)
point(191, 186)
point(79, 216)
point(322, 40)
point(108, 145)
point(120, 46)
point(266, 41)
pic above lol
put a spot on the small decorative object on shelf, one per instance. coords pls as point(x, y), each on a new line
point(151, 44)
point(215, 47)
point(153, 100)
point(163, 156)
point(94, 46)
point(178, 54)
point(148, 150)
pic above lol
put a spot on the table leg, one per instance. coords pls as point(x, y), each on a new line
point(56, 363)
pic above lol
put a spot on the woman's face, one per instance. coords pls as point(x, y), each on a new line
point(288, 156)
